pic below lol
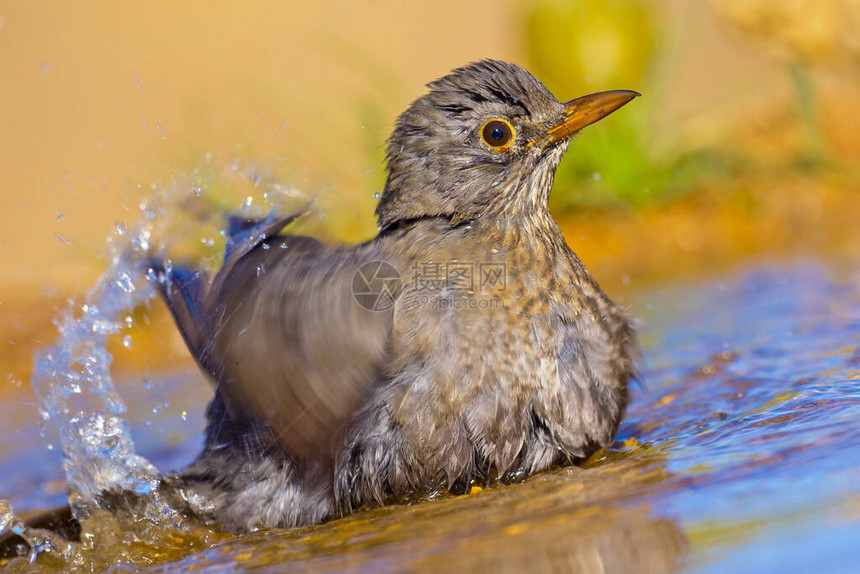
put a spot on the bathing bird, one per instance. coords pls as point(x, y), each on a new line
point(465, 344)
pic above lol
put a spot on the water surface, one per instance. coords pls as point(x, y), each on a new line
point(739, 453)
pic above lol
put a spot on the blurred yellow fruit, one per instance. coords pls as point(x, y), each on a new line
point(586, 45)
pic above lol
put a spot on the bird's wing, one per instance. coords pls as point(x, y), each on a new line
point(596, 359)
point(190, 295)
point(281, 333)
point(293, 346)
point(183, 291)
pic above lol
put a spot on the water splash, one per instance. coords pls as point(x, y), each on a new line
point(73, 383)
point(72, 379)
point(37, 539)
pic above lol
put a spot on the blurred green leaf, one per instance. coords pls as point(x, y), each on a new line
point(582, 46)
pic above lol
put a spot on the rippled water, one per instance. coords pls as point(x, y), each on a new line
point(755, 406)
point(740, 453)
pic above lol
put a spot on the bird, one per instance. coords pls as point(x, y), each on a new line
point(466, 344)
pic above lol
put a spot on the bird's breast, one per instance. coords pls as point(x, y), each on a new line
point(475, 327)
point(499, 365)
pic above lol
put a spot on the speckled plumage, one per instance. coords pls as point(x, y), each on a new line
point(323, 406)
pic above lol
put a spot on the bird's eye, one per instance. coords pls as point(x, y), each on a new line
point(498, 134)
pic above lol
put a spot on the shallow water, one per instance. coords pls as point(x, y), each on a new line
point(738, 454)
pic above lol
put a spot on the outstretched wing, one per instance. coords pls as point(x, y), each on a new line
point(282, 334)
point(183, 291)
point(188, 293)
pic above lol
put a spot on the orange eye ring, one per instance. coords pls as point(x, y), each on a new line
point(498, 134)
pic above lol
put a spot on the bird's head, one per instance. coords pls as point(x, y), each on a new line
point(486, 139)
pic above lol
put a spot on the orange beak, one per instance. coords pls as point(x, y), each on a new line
point(583, 112)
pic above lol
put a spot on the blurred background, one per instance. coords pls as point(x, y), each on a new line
point(745, 142)
point(743, 154)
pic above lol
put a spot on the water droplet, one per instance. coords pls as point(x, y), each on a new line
point(125, 282)
point(377, 195)
point(129, 321)
point(61, 238)
point(126, 341)
point(248, 201)
point(266, 246)
point(261, 270)
point(60, 215)
point(183, 415)
point(207, 241)
point(121, 229)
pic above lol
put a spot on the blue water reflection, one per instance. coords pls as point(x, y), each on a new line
point(754, 395)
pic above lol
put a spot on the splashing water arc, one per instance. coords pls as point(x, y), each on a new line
point(72, 379)
point(73, 383)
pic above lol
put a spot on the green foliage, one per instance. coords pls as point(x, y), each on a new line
point(583, 46)
point(611, 164)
